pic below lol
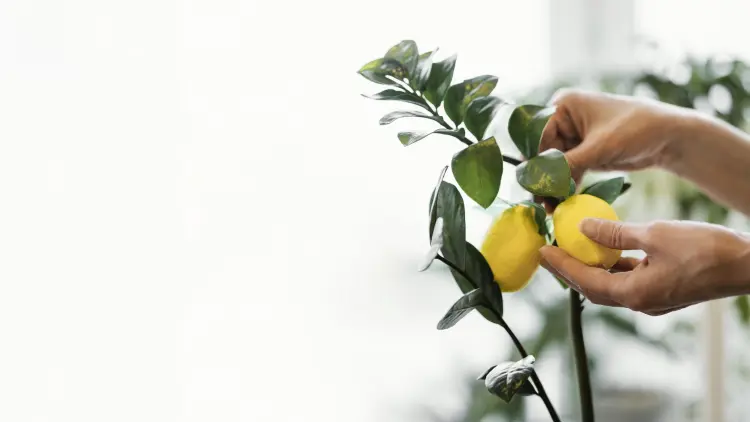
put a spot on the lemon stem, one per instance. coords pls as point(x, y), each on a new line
point(582, 364)
point(537, 382)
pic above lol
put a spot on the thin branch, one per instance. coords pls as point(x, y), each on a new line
point(582, 364)
point(516, 342)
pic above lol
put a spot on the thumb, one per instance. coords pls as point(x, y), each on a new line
point(613, 234)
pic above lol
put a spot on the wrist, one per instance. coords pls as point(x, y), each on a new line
point(682, 131)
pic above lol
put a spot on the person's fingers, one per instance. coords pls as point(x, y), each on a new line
point(592, 282)
point(614, 234)
point(626, 264)
point(581, 158)
point(598, 300)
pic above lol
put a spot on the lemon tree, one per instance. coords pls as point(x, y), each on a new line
point(509, 255)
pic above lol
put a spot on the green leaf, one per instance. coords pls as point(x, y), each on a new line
point(506, 379)
point(440, 79)
point(424, 67)
point(407, 54)
point(478, 87)
point(436, 242)
point(540, 216)
point(450, 206)
point(742, 304)
point(453, 101)
point(479, 114)
point(476, 269)
point(485, 279)
point(572, 189)
point(625, 187)
point(478, 170)
point(394, 95)
point(433, 202)
point(547, 174)
point(378, 70)
point(395, 115)
point(459, 96)
point(525, 127)
point(607, 190)
point(407, 138)
point(461, 308)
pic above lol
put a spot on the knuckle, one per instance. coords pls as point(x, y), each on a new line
point(567, 95)
point(616, 235)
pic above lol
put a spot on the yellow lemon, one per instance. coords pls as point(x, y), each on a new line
point(568, 216)
point(511, 247)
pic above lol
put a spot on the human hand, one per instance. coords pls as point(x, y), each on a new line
point(686, 263)
point(600, 131)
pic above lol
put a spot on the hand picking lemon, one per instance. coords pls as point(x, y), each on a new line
point(511, 247)
point(566, 218)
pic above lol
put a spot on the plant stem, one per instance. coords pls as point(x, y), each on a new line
point(581, 361)
point(534, 376)
point(406, 88)
point(516, 342)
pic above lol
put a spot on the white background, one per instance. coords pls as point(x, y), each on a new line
point(201, 220)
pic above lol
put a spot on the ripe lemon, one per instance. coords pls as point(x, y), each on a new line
point(511, 247)
point(568, 216)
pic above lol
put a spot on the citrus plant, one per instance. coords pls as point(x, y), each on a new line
point(509, 255)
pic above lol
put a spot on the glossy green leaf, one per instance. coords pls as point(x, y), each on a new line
point(507, 378)
point(608, 190)
point(440, 79)
point(419, 80)
point(478, 87)
point(476, 269)
point(572, 189)
point(407, 138)
point(547, 174)
point(395, 115)
point(540, 216)
point(484, 278)
point(436, 243)
point(459, 96)
point(378, 70)
point(450, 207)
point(453, 102)
point(742, 304)
point(478, 169)
point(407, 54)
point(625, 187)
point(461, 308)
point(525, 127)
point(479, 115)
point(395, 95)
point(433, 202)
